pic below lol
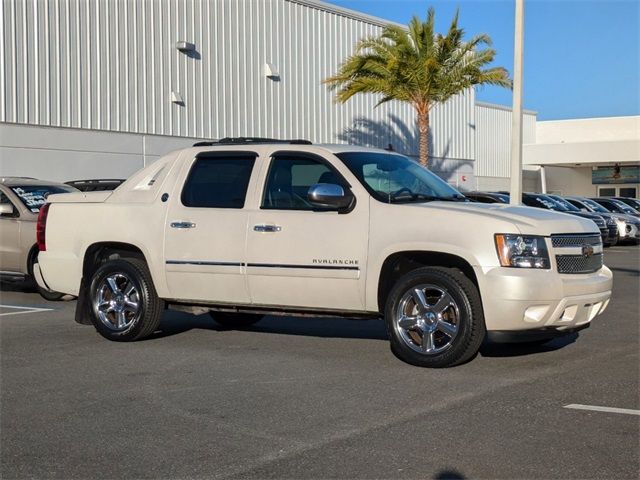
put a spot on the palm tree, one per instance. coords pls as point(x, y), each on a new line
point(418, 66)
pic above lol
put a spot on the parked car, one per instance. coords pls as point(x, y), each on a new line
point(20, 202)
point(616, 206)
point(632, 202)
point(628, 225)
point(487, 197)
point(609, 238)
point(97, 185)
point(247, 227)
point(540, 200)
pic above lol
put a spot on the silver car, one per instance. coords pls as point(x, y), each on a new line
point(20, 202)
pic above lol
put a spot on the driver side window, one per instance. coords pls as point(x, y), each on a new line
point(289, 180)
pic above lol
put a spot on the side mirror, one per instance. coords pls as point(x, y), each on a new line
point(328, 195)
point(6, 209)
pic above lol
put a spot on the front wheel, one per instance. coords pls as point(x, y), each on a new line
point(124, 303)
point(434, 318)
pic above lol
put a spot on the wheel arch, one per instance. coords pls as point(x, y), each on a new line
point(399, 263)
point(97, 253)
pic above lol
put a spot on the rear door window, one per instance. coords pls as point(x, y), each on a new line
point(218, 181)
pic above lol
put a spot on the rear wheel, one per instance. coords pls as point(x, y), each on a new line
point(434, 318)
point(236, 320)
point(124, 303)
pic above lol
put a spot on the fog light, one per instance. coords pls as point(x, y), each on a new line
point(535, 314)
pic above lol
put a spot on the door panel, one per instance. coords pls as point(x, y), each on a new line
point(9, 244)
point(9, 240)
point(311, 259)
point(206, 230)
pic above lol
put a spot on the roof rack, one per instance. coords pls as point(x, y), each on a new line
point(249, 140)
point(96, 180)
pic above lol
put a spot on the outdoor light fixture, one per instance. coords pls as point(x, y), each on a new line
point(176, 98)
point(185, 46)
point(271, 71)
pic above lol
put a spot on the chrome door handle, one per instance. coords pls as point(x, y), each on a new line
point(267, 228)
point(183, 225)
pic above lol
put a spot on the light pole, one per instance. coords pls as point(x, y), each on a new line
point(516, 121)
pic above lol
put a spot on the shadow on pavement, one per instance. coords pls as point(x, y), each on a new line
point(449, 474)
point(521, 349)
point(633, 271)
point(17, 286)
point(174, 323)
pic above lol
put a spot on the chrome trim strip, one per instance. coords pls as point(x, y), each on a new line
point(260, 265)
point(311, 267)
point(196, 262)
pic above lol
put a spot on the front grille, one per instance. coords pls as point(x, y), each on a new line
point(575, 252)
point(613, 231)
point(579, 263)
point(578, 240)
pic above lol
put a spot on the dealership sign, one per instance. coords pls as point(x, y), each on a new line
point(616, 174)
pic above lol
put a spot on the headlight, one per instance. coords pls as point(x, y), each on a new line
point(524, 251)
point(610, 221)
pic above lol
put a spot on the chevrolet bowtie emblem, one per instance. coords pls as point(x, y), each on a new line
point(587, 251)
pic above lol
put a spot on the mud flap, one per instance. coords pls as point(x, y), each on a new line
point(83, 308)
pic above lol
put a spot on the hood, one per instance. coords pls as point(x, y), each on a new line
point(586, 215)
point(527, 220)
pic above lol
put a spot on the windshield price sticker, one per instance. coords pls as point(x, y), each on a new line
point(32, 199)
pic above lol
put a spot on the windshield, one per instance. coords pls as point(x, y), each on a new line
point(392, 178)
point(595, 206)
point(34, 196)
point(550, 203)
point(624, 207)
point(633, 202)
point(568, 206)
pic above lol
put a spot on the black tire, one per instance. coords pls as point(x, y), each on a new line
point(465, 310)
point(147, 317)
point(236, 320)
point(47, 295)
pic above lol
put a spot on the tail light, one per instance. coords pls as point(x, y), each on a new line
point(41, 227)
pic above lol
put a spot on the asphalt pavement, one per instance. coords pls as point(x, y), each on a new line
point(313, 398)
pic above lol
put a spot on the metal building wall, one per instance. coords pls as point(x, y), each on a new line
point(493, 138)
point(112, 65)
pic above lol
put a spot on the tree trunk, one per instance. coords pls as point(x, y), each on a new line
point(423, 128)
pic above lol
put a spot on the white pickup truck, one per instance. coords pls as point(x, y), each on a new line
point(243, 227)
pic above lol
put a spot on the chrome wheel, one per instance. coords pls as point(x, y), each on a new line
point(427, 319)
point(116, 302)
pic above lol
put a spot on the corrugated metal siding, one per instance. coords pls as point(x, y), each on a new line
point(112, 64)
point(493, 139)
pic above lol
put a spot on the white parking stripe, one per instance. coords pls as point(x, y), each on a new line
point(595, 408)
point(23, 310)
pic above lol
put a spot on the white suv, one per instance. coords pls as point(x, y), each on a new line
point(245, 227)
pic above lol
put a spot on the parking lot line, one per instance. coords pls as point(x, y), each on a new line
point(595, 408)
point(23, 310)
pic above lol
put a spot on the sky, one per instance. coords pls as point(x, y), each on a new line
point(581, 57)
